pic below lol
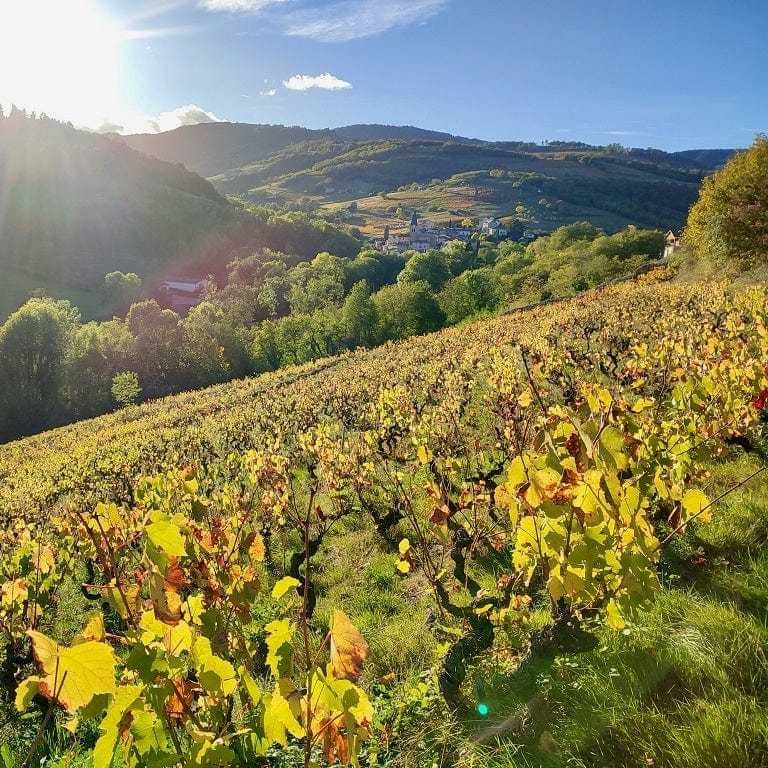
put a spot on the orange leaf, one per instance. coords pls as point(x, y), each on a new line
point(175, 578)
point(348, 648)
point(335, 745)
point(257, 550)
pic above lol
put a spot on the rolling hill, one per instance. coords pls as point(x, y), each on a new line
point(371, 165)
point(74, 206)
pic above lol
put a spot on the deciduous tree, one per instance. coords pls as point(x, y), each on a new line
point(730, 218)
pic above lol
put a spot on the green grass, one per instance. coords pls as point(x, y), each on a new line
point(686, 686)
point(18, 286)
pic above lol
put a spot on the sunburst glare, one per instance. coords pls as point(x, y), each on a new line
point(60, 58)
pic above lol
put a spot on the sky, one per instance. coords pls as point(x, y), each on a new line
point(670, 74)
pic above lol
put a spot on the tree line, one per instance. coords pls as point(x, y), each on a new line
point(273, 309)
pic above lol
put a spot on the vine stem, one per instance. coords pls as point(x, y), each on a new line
point(35, 746)
point(532, 383)
point(308, 736)
point(725, 493)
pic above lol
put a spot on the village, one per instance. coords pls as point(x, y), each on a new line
point(424, 235)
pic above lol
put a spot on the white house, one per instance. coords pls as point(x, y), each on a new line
point(183, 294)
point(671, 243)
point(493, 227)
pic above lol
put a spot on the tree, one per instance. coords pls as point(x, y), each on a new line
point(361, 318)
point(471, 292)
point(316, 285)
point(377, 269)
point(157, 347)
point(120, 290)
point(213, 348)
point(34, 343)
point(408, 309)
point(125, 388)
point(730, 219)
point(265, 351)
point(96, 353)
point(430, 266)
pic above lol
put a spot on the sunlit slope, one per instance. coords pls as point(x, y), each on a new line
point(99, 459)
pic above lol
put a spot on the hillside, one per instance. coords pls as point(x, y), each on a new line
point(402, 490)
point(74, 206)
point(213, 148)
point(554, 184)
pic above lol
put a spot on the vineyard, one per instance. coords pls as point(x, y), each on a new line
point(488, 546)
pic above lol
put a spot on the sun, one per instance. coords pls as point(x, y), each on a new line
point(61, 58)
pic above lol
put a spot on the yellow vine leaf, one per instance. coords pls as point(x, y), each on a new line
point(126, 698)
point(348, 648)
point(694, 502)
point(27, 691)
point(278, 718)
point(282, 586)
point(166, 536)
point(216, 675)
point(73, 676)
point(13, 592)
point(94, 630)
point(279, 647)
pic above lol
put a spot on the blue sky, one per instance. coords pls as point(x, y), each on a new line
point(671, 74)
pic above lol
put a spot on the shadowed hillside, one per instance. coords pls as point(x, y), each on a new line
point(74, 206)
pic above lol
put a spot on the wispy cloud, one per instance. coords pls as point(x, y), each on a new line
point(238, 6)
point(150, 33)
point(271, 92)
point(326, 81)
point(337, 21)
point(346, 20)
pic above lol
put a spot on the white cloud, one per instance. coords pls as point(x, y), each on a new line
point(270, 92)
point(189, 114)
point(351, 19)
point(238, 6)
point(326, 81)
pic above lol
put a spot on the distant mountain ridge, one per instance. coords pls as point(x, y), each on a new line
point(543, 185)
point(211, 149)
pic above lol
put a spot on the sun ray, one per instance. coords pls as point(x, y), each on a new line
point(60, 58)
